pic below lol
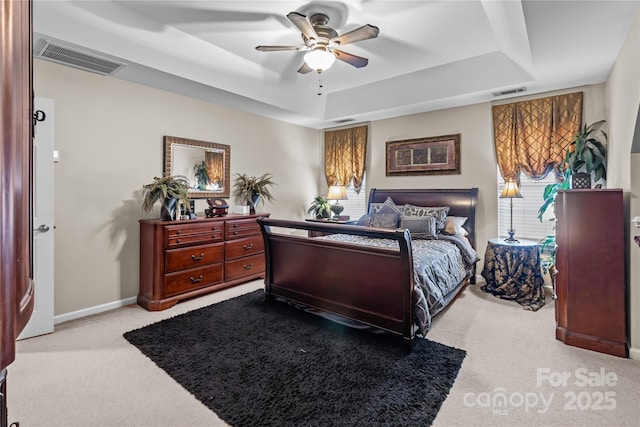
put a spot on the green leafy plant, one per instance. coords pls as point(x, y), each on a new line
point(550, 191)
point(166, 187)
point(200, 170)
point(320, 207)
point(586, 153)
point(245, 187)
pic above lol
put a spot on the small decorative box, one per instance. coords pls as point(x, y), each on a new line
point(217, 207)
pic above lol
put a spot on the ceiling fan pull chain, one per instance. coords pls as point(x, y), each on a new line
point(320, 86)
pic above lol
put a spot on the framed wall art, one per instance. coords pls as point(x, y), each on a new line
point(437, 155)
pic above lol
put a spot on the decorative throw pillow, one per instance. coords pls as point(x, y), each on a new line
point(454, 226)
point(423, 227)
point(363, 220)
point(388, 207)
point(439, 212)
point(383, 220)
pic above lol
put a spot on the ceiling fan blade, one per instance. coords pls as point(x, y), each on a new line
point(277, 48)
point(363, 33)
point(304, 68)
point(356, 61)
point(303, 24)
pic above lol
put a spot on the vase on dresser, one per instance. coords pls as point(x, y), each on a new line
point(168, 209)
point(253, 202)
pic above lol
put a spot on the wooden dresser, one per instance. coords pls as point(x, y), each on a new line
point(183, 259)
point(590, 259)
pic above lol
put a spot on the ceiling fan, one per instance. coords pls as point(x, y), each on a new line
point(322, 42)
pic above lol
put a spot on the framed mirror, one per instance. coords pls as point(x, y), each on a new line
point(207, 165)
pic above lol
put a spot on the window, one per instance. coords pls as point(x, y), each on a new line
point(356, 204)
point(525, 210)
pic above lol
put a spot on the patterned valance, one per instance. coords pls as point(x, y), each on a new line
point(344, 156)
point(532, 136)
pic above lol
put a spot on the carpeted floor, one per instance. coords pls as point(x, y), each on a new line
point(256, 363)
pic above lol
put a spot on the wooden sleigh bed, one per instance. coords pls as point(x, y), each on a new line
point(371, 285)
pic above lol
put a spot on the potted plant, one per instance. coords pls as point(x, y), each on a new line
point(200, 170)
point(586, 154)
point(169, 190)
point(252, 190)
point(320, 207)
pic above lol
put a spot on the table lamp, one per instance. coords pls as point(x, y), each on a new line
point(511, 191)
point(337, 193)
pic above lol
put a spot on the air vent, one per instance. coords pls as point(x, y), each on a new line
point(77, 58)
point(340, 121)
point(509, 91)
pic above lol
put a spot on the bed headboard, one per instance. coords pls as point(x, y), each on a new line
point(461, 202)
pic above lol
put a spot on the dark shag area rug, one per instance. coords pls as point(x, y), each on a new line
point(269, 364)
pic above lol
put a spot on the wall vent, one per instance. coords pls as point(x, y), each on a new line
point(340, 121)
point(74, 57)
point(509, 91)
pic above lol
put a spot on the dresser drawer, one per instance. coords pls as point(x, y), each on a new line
point(194, 233)
point(195, 278)
point(243, 247)
point(244, 267)
point(193, 256)
point(237, 229)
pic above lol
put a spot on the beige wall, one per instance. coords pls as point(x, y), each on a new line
point(109, 134)
point(623, 101)
point(478, 164)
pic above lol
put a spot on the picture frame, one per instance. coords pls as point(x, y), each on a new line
point(436, 155)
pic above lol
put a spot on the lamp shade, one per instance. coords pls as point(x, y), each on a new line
point(337, 192)
point(319, 59)
point(511, 191)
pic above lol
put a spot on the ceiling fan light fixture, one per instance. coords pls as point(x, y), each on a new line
point(319, 59)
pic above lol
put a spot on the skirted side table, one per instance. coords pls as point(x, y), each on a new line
point(512, 272)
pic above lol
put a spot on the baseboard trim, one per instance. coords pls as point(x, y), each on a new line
point(634, 353)
point(93, 310)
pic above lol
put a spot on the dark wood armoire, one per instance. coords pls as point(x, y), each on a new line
point(16, 284)
point(590, 259)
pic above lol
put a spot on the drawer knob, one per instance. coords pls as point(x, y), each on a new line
point(235, 233)
point(178, 241)
point(197, 258)
point(235, 225)
point(179, 232)
point(248, 247)
point(196, 280)
point(213, 229)
point(248, 267)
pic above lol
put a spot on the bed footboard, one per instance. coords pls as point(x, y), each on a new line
point(370, 285)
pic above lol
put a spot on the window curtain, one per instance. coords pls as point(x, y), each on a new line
point(214, 162)
point(532, 136)
point(344, 156)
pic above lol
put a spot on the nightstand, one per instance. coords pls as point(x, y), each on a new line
point(512, 272)
point(329, 221)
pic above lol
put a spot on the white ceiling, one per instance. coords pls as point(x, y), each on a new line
point(429, 54)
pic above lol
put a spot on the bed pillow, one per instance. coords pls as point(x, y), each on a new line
point(383, 220)
point(388, 207)
point(454, 226)
point(422, 227)
point(363, 220)
point(440, 212)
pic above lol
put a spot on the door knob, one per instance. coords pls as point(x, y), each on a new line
point(43, 228)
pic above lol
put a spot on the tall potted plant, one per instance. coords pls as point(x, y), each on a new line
point(169, 190)
point(586, 154)
point(252, 190)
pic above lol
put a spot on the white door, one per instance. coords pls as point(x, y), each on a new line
point(41, 321)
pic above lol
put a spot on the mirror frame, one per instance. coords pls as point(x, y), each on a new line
point(168, 155)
